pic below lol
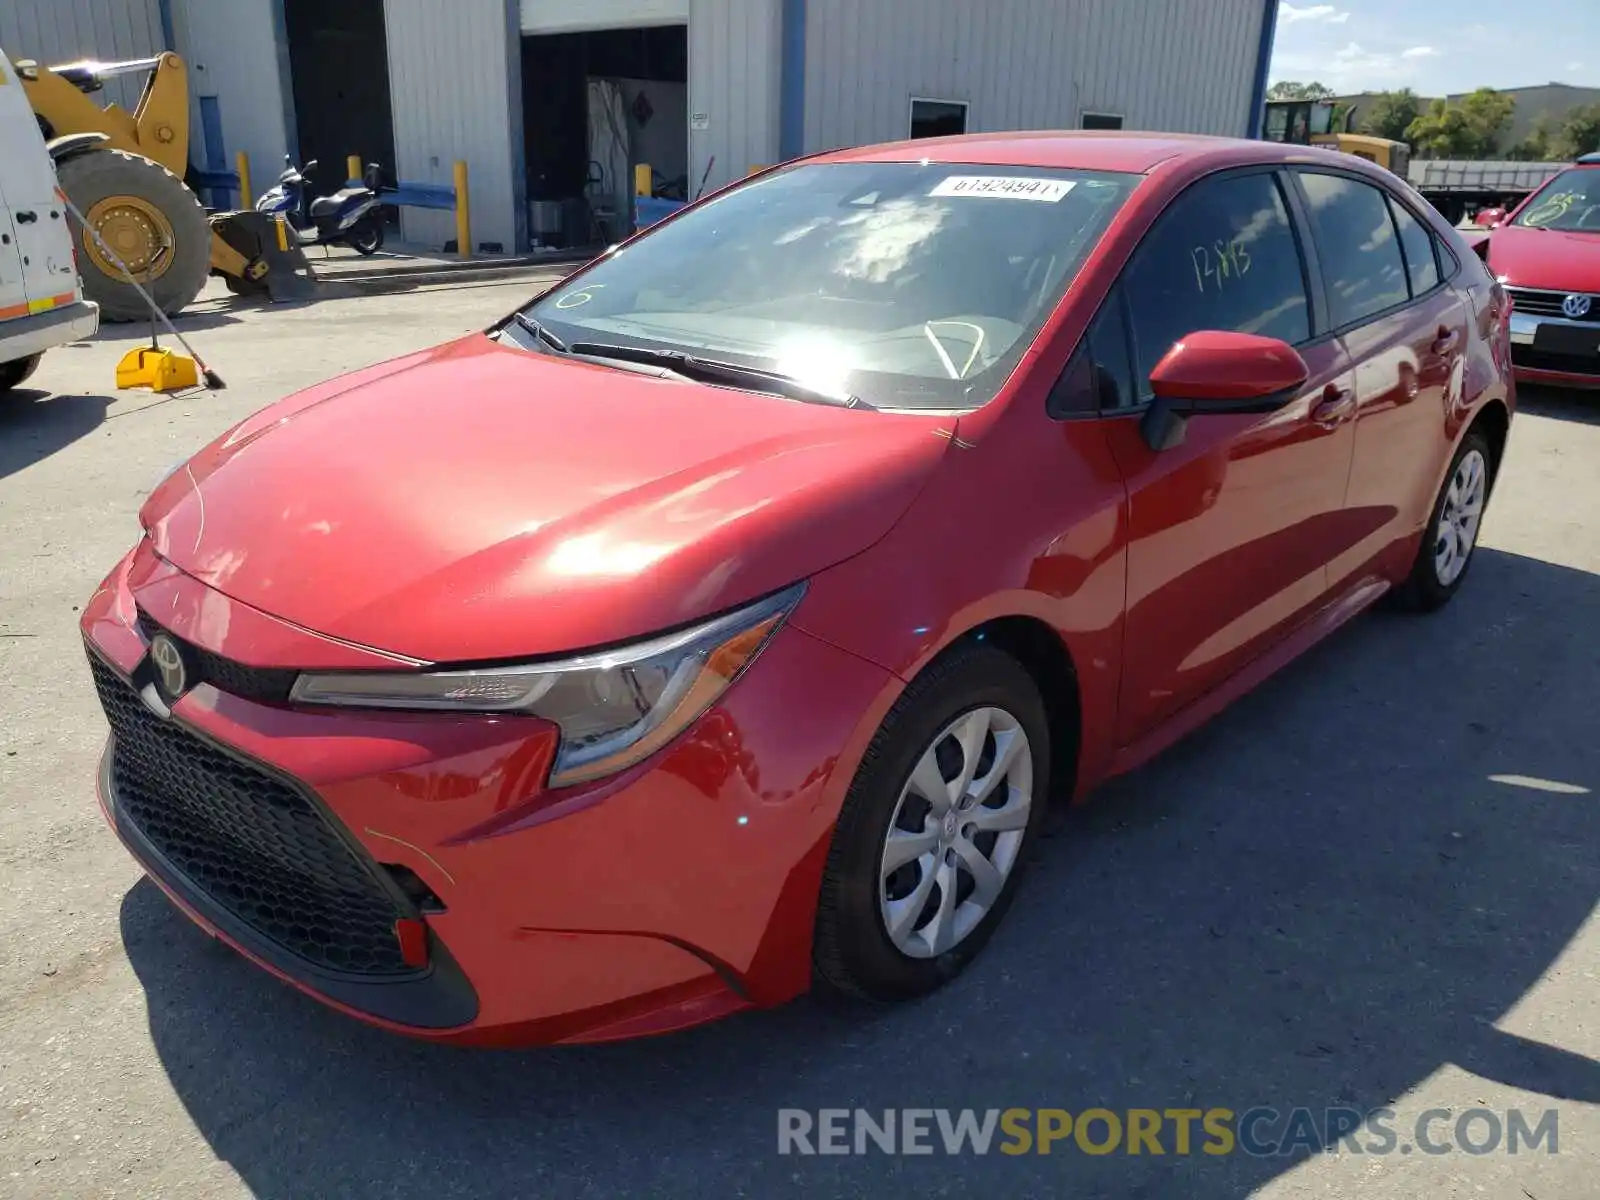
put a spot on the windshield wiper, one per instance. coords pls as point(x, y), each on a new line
point(716, 370)
point(540, 332)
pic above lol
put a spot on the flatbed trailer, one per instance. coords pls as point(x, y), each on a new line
point(1458, 188)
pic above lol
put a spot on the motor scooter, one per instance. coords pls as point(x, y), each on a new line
point(349, 216)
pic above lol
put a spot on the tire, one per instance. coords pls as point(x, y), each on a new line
point(102, 174)
point(15, 373)
point(1436, 577)
point(854, 952)
point(366, 235)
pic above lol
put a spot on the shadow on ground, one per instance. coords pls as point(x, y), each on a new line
point(35, 424)
point(210, 315)
point(1562, 404)
point(1321, 899)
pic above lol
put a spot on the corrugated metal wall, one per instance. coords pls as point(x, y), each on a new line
point(733, 87)
point(58, 31)
point(1183, 65)
point(454, 77)
point(235, 52)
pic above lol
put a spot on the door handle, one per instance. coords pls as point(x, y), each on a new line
point(1447, 340)
point(25, 216)
point(1337, 406)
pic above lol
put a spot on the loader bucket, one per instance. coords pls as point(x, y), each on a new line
point(257, 255)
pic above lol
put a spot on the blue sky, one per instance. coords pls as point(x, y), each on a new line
point(1438, 46)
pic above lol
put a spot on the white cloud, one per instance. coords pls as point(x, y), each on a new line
point(1419, 52)
point(1574, 67)
point(1289, 14)
point(1351, 67)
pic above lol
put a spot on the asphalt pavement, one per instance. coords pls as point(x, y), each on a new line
point(1371, 884)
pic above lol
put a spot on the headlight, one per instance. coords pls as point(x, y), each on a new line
point(614, 707)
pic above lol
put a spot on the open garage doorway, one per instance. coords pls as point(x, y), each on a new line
point(339, 65)
point(596, 104)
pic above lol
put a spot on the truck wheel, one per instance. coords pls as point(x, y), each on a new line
point(15, 373)
point(149, 219)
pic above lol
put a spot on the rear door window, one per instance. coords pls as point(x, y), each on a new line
point(1223, 256)
point(1357, 245)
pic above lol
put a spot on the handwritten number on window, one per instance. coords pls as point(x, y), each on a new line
point(1215, 266)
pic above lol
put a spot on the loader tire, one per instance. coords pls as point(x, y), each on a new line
point(155, 197)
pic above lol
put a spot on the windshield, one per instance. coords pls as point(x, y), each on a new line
point(908, 285)
point(1569, 201)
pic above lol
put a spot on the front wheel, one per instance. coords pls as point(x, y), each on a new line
point(1452, 534)
point(140, 216)
point(931, 838)
point(366, 235)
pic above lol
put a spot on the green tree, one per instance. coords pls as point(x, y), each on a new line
point(1580, 133)
point(1288, 90)
point(1488, 115)
point(1471, 129)
point(1441, 132)
point(1539, 145)
point(1391, 114)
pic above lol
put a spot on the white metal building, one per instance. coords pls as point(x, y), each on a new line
point(700, 89)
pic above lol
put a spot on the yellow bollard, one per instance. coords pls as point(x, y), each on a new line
point(241, 162)
point(352, 164)
point(643, 180)
point(463, 213)
point(282, 226)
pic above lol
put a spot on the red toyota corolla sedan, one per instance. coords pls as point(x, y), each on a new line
point(1547, 254)
point(725, 620)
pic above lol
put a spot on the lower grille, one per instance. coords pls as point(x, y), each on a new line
point(256, 846)
point(1543, 360)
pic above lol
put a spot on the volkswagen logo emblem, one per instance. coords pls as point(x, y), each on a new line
point(1576, 306)
point(168, 662)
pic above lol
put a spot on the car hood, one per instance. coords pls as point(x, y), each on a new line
point(480, 502)
point(1549, 259)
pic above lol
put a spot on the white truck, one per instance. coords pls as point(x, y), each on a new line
point(41, 297)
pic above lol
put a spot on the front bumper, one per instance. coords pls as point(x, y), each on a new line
point(680, 891)
point(23, 337)
point(1555, 350)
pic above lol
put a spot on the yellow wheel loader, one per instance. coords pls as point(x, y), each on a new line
point(1322, 123)
point(124, 172)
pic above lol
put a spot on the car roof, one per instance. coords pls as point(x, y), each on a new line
point(1084, 150)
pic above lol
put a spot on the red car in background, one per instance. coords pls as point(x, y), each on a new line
point(1547, 254)
point(724, 620)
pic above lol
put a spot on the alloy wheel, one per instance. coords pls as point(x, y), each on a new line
point(956, 833)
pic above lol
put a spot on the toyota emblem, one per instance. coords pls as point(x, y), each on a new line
point(1576, 306)
point(168, 662)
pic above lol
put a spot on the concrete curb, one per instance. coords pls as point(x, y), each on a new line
point(413, 273)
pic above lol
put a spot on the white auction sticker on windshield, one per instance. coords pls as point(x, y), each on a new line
point(1004, 187)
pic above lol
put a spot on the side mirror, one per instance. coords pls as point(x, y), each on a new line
point(1490, 218)
point(309, 167)
point(1213, 371)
